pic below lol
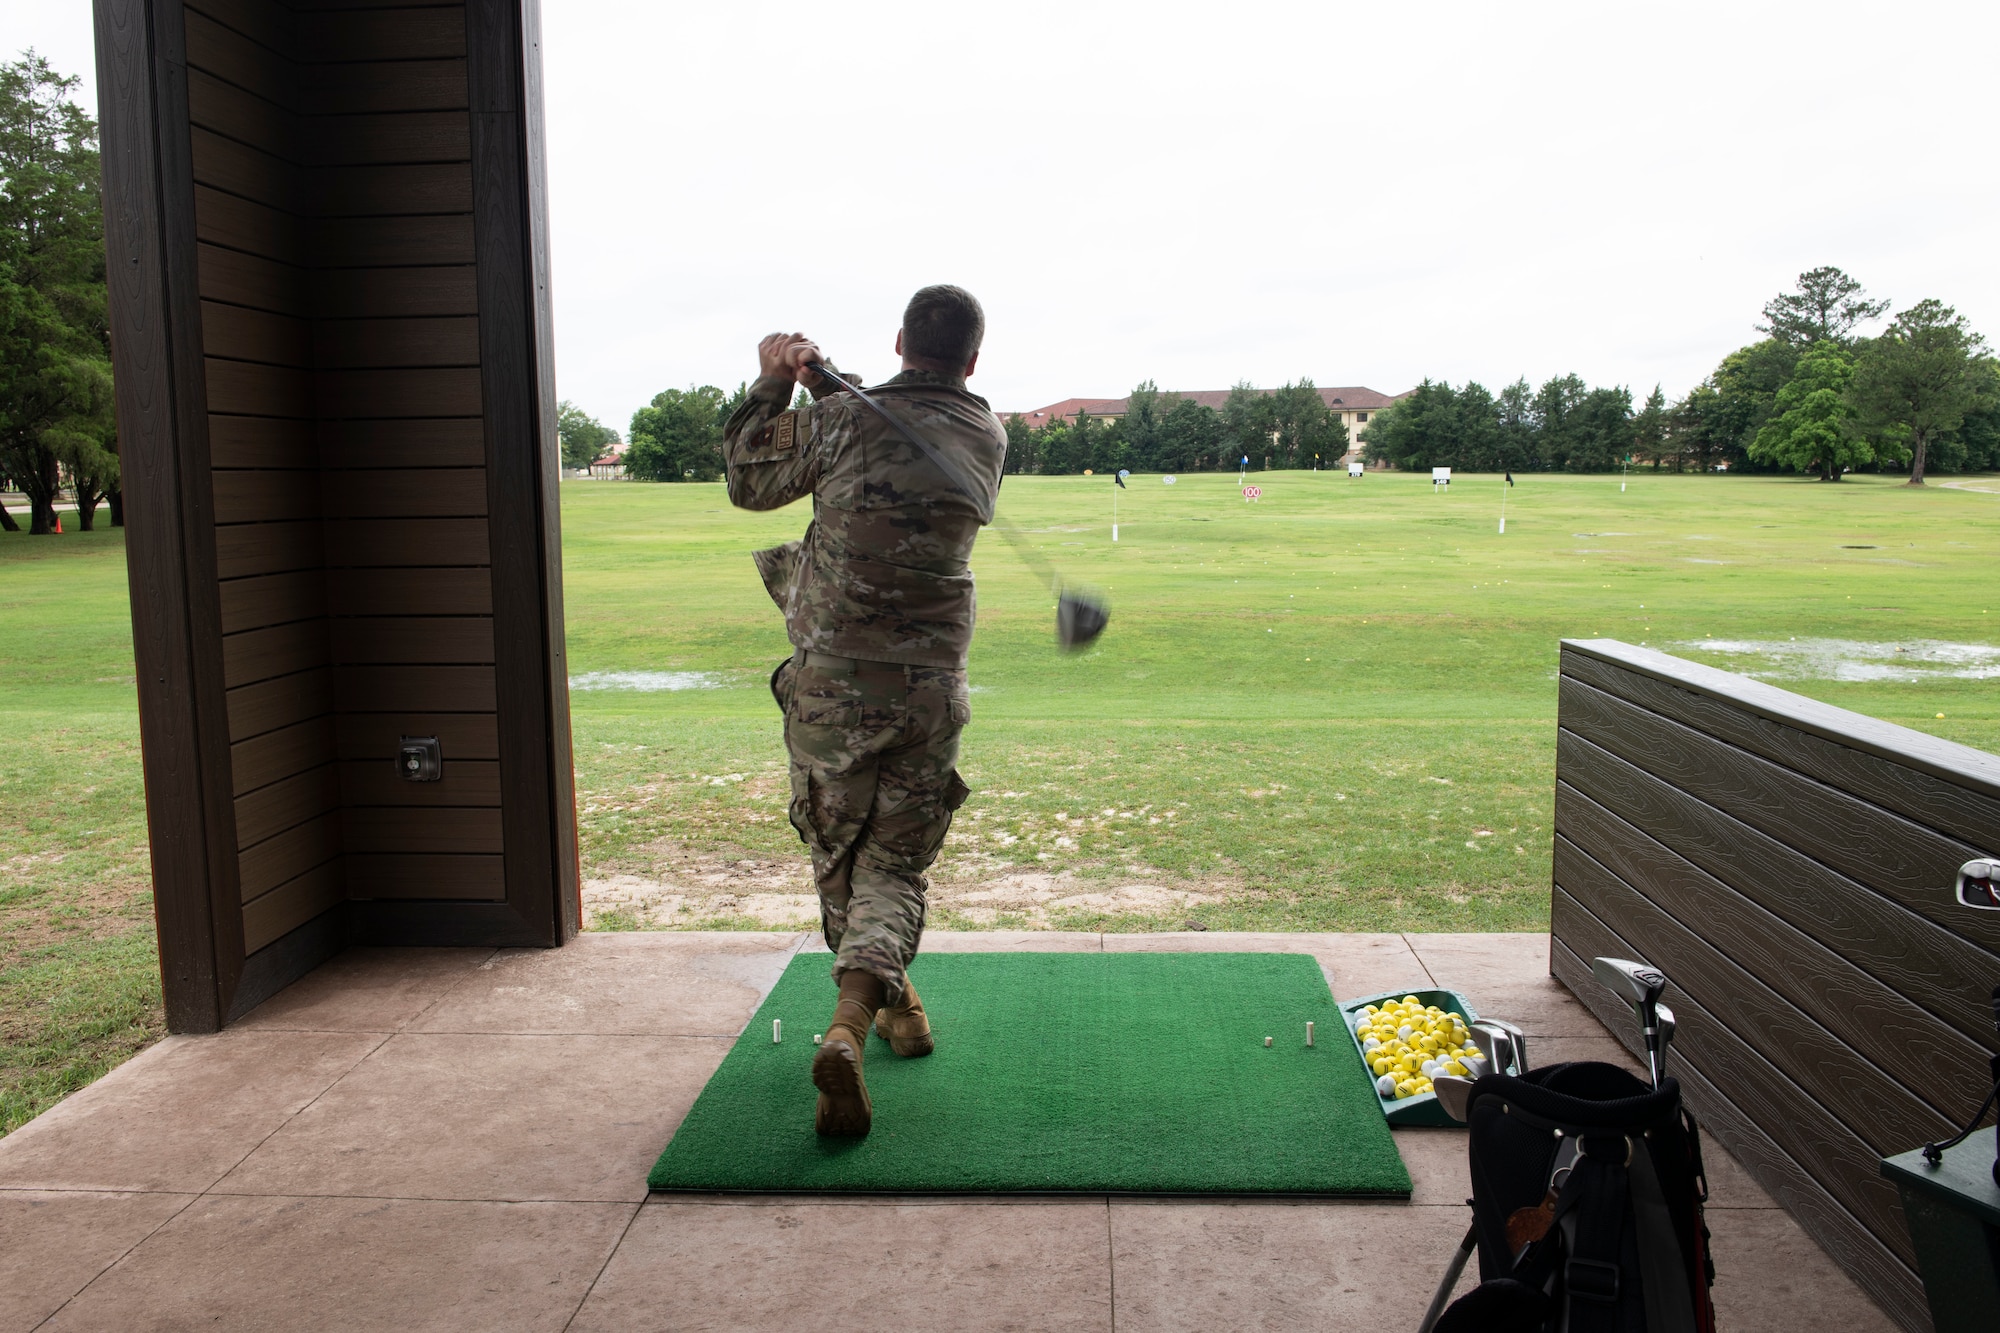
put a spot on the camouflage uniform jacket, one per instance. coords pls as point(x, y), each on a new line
point(882, 572)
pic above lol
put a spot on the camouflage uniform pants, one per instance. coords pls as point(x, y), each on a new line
point(873, 749)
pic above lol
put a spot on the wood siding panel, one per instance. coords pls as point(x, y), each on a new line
point(237, 168)
point(410, 592)
point(282, 805)
point(286, 855)
point(261, 654)
point(1945, 976)
point(398, 137)
point(251, 280)
point(1915, 795)
point(279, 702)
point(237, 333)
point(396, 293)
point(384, 830)
point(378, 782)
point(381, 543)
point(281, 754)
point(235, 113)
point(418, 875)
point(427, 640)
point(422, 689)
point(273, 599)
point(398, 393)
point(446, 493)
point(285, 909)
point(1903, 860)
point(392, 242)
point(340, 192)
point(393, 85)
point(376, 736)
point(364, 343)
point(244, 388)
point(232, 56)
point(266, 548)
point(264, 442)
point(233, 223)
point(384, 34)
point(445, 442)
point(260, 496)
point(270, 25)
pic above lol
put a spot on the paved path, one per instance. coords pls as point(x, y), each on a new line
point(457, 1139)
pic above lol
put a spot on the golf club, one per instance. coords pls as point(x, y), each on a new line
point(1639, 986)
point(1666, 1018)
point(1505, 1043)
point(1080, 616)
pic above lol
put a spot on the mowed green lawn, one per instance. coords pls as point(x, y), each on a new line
point(1332, 709)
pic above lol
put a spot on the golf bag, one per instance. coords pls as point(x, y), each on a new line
point(1587, 1201)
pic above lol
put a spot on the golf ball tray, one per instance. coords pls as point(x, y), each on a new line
point(1421, 1108)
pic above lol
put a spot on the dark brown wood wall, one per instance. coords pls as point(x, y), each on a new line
point(1789, 865)
point(315, 200)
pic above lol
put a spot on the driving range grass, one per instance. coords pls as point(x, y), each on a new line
point(1330, 709)
point(1333, 709)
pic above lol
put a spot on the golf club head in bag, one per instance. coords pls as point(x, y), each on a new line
point(1639, 985)
point(1080, 618)
point(1979, 885)
point(1666, 1021)
point(1505, 1044)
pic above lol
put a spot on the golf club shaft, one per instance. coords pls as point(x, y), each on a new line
point(1000, 522)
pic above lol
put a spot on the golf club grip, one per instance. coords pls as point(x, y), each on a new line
point(951, 473)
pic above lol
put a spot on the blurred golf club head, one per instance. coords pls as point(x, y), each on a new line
point(1635, 983)
point(1080, 618)
point(1453, 1094)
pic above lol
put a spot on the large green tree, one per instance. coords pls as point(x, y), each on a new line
point(1649, 429)
point(1248, 425)
point(56, 421)
point(678, 436)
point(1811, 430)
point(1920, 379)
point(583, 436)
point(1190, 438)
point(1825, 307)
point(1309, 433)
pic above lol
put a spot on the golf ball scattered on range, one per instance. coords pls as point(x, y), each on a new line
point(1407, 1043)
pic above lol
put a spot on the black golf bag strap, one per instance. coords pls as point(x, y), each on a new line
point(1596, 1243)
point(1663, 1267)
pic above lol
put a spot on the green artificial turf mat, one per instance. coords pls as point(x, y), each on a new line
point(1059, 1072)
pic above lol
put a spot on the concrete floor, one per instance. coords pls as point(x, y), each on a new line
point(459, 1138)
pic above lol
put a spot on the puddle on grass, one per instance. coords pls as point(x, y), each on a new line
point(648, 682)
point(1851, 660)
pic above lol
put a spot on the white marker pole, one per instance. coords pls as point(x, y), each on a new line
point(1114, 508)
point(1503, 505)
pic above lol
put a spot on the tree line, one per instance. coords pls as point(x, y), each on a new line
point(1812, 396)
point(57, 430)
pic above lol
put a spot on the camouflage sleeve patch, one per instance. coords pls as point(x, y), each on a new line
point(777, 439)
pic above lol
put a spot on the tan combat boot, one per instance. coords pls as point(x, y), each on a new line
point(904, 1026)
point(844, 1110)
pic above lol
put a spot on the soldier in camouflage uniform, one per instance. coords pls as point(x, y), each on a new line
point(878, 602)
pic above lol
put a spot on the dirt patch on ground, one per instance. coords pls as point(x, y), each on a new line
point(691, 890)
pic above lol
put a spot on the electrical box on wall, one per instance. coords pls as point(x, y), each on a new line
point(421, 759)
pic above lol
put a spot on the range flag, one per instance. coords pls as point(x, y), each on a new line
point(1510, 476)
point(1120, 479)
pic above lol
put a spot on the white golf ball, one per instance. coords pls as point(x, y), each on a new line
point(1386, 1085)
point(1430, 1068)
point(1371, 1043)
point(1405, 1031)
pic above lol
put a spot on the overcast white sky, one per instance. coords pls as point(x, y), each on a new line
point(1365, 194)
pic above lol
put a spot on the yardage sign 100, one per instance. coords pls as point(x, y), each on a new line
point(1252, 492)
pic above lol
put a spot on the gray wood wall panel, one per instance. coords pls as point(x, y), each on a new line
point(1788, 865)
